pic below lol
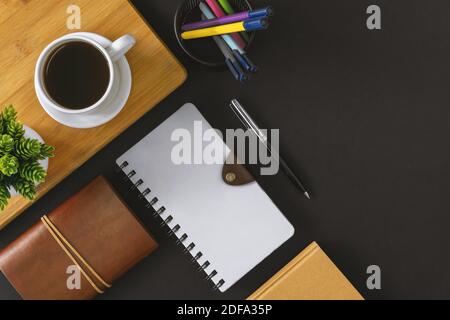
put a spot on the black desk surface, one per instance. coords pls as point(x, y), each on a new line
point(364, 119)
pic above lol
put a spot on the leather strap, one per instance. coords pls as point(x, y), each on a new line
point(62, 242)
point(235, 174)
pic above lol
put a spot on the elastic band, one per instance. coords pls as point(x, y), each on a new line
point(60, 239)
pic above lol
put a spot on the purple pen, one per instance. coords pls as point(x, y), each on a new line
point(237, 17)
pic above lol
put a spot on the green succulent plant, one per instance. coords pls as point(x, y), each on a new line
point(25, 188)
point(32, 172)
point(9, 165)
point(46, 152)
point(15, 130)
point(6, 144)
point(5, 195)
point(9, 114)
point(19, 159)
point(28, 148)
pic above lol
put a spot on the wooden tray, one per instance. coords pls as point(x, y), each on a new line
point(27, 27)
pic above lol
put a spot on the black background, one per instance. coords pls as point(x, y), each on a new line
point(364, 119)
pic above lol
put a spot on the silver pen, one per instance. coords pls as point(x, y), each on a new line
point(248, 122)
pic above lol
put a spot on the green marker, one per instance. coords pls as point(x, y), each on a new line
point(226, 6)
point(229, 10)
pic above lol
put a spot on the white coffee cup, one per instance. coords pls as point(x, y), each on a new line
point(112, 54)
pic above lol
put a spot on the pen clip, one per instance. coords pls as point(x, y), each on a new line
point(247, 121)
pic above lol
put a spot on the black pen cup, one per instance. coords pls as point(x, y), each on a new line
point(204, 51)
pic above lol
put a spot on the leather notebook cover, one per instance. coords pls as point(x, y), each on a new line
point(98, 225)
point(309, 276)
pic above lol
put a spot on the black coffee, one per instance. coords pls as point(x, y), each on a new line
point(76, 75)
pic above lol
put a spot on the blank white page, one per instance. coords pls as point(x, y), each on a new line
point(234, 227)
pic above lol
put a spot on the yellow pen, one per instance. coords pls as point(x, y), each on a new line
point(248, 25)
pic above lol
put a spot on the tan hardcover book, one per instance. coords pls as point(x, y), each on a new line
point(93, 232)
point(309, 276)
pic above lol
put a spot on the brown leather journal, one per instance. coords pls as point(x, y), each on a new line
point(79, 250)
point(309, 276)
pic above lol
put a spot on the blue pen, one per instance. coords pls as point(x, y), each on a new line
point(231, 62)
point(236, 70)
point(248, 65)
point(253, 67)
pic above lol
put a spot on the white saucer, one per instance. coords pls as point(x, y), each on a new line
point(109, 109)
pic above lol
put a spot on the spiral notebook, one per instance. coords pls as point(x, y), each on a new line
point(228, 230)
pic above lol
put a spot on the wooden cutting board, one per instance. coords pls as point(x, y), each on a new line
point(27, 27)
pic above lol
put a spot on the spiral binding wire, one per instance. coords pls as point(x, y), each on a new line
point(165, 222)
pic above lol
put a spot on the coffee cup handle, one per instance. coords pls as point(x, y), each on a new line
point(120, 47)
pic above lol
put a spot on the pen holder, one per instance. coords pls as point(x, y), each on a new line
point(204, 51)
